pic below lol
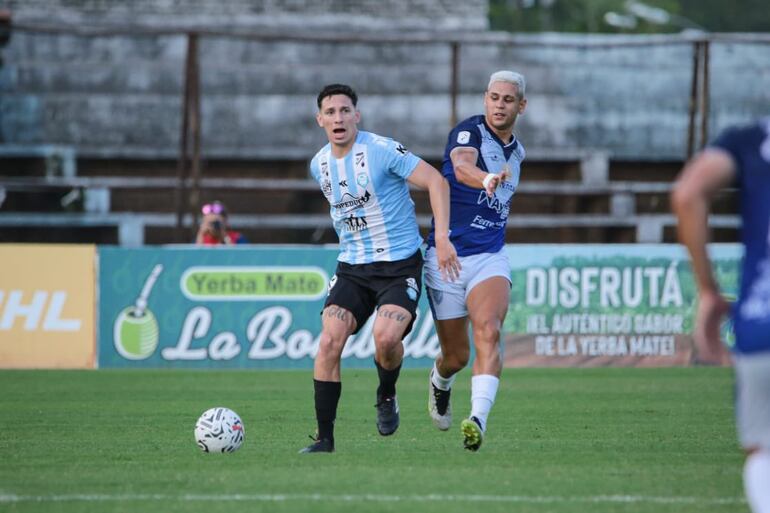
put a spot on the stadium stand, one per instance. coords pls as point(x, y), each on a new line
point(559, 200)
point(90, 117)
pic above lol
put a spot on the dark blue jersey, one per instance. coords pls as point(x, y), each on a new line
point(749, 148)
point(477, 222)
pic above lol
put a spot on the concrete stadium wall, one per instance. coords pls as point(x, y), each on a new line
point(120, 96)
point(297, 14)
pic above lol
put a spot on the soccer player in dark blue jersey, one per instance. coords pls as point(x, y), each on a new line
point(482, 165)
point(365, 178)
point(740, 156)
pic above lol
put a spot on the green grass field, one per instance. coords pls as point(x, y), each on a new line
point(559, 440)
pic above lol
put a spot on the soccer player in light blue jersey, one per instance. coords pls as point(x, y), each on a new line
point(741, 157)
point(482, 165)
point(365, 178)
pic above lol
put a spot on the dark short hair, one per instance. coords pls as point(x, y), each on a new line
point(332, 89)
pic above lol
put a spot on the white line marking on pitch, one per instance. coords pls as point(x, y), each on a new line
point(12, 498)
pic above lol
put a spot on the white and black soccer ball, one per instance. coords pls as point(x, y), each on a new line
point(219, 430)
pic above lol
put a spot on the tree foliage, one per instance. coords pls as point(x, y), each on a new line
point(589, 16)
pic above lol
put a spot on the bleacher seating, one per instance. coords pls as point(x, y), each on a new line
point(577, 197)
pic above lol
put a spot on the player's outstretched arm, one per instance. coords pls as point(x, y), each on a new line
point(427, 177)
point(691, 198)
point(464, 162)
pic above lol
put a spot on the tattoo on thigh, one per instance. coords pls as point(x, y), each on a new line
point(390, 314)
point(337, 313)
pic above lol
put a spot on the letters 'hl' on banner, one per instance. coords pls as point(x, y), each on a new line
point(47, 306)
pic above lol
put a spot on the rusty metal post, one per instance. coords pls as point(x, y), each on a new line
point(195, 129)
point(693, 99)
point(455, 83)
point(705, 92)
point(180, 196)
point(5, 27)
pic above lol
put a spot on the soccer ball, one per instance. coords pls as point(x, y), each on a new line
point(219, 430)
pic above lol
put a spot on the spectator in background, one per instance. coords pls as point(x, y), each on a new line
point(740, 158)
point(214, 228)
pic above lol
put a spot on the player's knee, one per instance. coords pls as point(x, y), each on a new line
point(456, 362)
point(487, 331)
point(386, 340)
point(458, 359)
point(329, 345)
point(386, 335)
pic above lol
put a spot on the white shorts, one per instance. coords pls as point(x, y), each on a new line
point(752, 402)
point(447, 299)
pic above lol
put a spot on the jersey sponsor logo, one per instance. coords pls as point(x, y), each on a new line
point(508, 186)
point(463, 137)
point(350, 202)
point(355, 224)
point(360, 160)
point(326, 187)
point(494, 203)
point(482, 224)
point(325, 168)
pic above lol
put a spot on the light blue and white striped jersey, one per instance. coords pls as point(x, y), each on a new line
point(371, 209)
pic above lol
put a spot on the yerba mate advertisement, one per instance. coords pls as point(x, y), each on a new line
point(595, 305)
point(258, 307)
point(242, 307)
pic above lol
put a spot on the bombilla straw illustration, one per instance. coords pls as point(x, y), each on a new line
point(141, 301)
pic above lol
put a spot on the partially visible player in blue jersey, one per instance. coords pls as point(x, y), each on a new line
point(482, 164)
point(365, 177)
point(739, 157)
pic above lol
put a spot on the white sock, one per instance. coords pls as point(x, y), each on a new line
point(483, 392)
point(441, 382)
point(756, 481)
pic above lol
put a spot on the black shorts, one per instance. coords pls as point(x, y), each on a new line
point(360, 288)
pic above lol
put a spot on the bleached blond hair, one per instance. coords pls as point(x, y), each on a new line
point(511, 77)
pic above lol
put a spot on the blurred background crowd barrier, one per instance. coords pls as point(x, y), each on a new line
point(116, 134)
